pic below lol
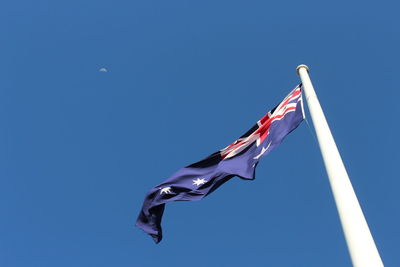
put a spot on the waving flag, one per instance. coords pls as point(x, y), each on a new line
point(240, 158)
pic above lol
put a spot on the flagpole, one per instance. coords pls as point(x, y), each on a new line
point(360, 243)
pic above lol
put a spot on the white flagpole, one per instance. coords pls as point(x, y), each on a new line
point(363, 251)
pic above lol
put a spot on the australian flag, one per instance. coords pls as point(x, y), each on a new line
point(240, 158)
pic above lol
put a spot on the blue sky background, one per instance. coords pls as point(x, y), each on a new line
point(80, 148)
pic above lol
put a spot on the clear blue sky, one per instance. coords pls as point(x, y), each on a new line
point(80, 148)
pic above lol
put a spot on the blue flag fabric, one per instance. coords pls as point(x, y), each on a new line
point(240, 158)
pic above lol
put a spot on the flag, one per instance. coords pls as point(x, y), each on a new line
point(240, 158)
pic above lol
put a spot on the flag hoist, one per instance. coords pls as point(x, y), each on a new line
point(363, 251)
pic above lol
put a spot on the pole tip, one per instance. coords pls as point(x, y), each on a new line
point(302, 66)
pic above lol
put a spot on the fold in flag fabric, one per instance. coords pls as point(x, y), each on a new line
point(240, 158)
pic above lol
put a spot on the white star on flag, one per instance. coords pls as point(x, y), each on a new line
point(199, 181)
point(166, 190)
point(263, 150)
